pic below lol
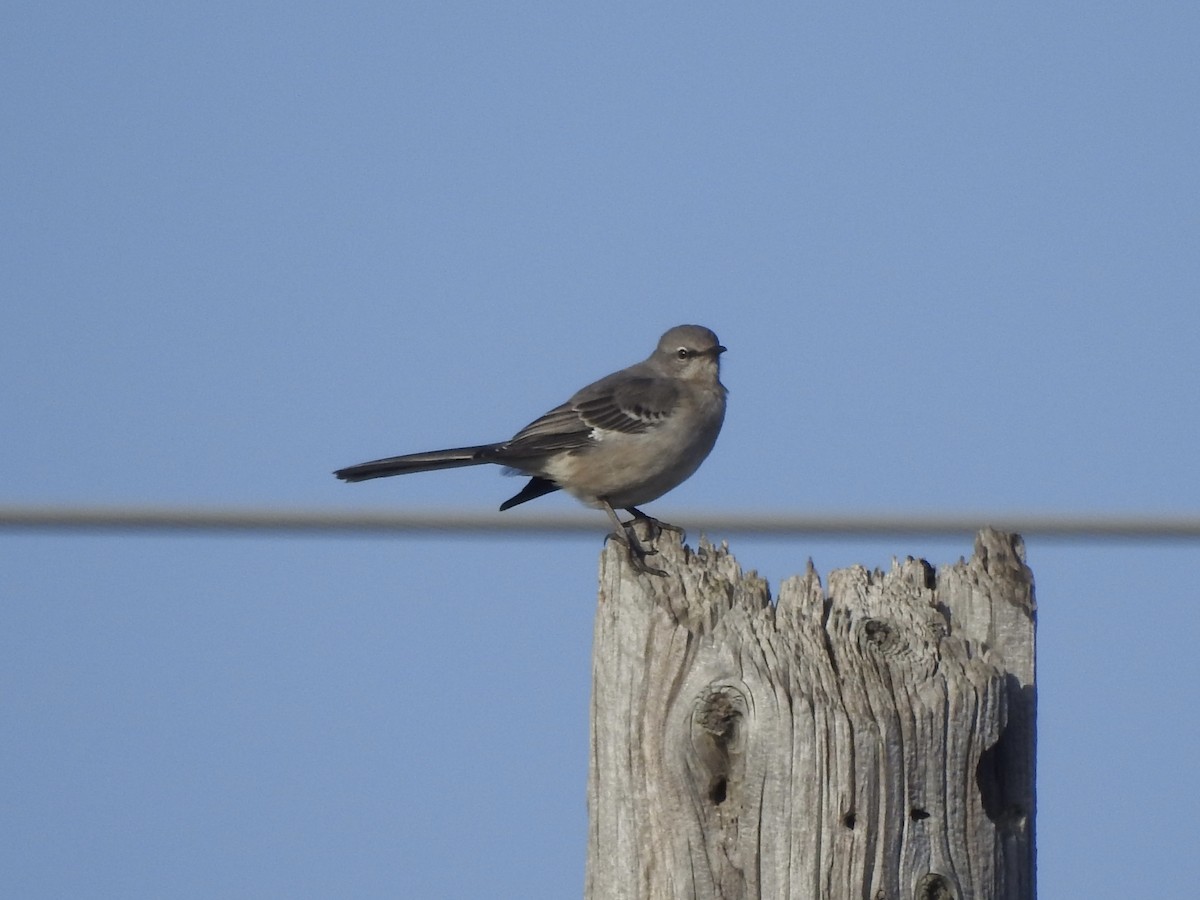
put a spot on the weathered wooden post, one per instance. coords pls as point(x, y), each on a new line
point(875, 740)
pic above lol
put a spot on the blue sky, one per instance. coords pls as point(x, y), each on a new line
point(952, 250)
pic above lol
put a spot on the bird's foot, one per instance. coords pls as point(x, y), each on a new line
point(654, 527)
point(637, 553)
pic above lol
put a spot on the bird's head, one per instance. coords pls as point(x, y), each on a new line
point(689, 351)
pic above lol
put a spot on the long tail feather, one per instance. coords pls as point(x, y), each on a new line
point(418, 462)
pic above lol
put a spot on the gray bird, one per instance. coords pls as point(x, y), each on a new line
point(618, 443)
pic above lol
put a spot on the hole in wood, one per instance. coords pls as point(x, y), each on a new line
point(717, 743)
point(917, 814)
point(935, 887)
point(717, 794)
point(848, 820)
point(877, 631)
point(879, 636)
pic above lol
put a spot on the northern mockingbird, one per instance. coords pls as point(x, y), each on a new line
point(620, 442)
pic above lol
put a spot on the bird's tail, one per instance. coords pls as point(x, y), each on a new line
point(419, 462)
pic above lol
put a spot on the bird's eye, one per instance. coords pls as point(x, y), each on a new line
point(682, 353)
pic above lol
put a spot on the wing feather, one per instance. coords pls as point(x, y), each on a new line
point(627, 405)
point(630, 405)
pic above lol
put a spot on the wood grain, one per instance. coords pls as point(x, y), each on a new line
point(873, 740)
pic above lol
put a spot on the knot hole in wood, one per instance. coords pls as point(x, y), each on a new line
point(935, 887)
point(717, 740)
point(908, 644)
point(880, 636)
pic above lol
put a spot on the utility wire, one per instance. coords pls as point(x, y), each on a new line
point(347, 522)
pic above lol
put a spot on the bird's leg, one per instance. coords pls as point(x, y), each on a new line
point(626, 535)
point(654, 526)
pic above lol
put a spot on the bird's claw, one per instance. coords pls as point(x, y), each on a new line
point(637, 553)
point(655, 527)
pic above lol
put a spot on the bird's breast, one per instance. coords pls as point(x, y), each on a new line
point(631, 469)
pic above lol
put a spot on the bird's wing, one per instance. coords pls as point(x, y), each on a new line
point(627, 405)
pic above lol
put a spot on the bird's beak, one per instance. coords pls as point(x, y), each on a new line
point(718, 350)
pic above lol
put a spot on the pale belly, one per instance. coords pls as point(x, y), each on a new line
point(629, 470)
